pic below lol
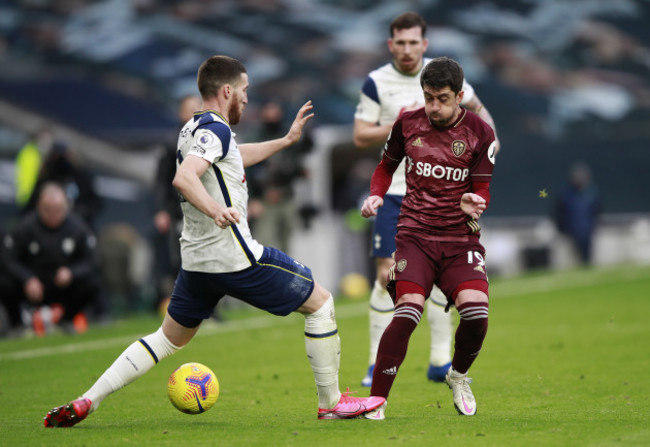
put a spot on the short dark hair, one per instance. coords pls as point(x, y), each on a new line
point(216, 72)
point(408, 20)
point(443, 72)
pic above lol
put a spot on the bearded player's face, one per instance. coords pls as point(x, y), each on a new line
point(239, 100)
point(408, 47)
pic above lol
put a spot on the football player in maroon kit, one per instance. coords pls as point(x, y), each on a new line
point(450, 154)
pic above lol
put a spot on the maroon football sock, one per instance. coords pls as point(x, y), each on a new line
point(393, 346)
point(470, 334)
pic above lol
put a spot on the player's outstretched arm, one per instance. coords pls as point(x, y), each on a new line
point(295, 131)
point(253, 153)
point(370, 206)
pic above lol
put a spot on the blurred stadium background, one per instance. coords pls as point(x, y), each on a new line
point(566, 81)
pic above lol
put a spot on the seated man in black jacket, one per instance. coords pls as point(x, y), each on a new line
point(51, 257)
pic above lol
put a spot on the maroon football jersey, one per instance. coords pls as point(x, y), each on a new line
point(441, 164)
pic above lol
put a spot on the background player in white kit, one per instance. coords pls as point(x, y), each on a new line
point(219, 255)
point(387, 92)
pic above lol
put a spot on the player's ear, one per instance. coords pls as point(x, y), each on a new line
point(227, 91)
point(459, 96)
point(425, 44)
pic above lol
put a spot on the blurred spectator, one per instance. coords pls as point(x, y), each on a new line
point(51, 258)
point(168, 219)
point(28, 164)
point(272, 208)
point(62, 167)
point(578, 209)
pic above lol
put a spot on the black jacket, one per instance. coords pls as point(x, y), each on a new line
point(36, 250)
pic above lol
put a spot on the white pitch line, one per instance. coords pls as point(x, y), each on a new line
point(505, 289)
point(124, 340)
point(67, 349)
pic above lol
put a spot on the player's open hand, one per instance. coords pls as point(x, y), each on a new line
point(295, 131)
point(472, 204)
point(370, 205)
point(226, 217)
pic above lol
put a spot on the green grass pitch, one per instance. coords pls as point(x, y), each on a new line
point(565, 363)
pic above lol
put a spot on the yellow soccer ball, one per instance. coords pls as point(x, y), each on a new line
point(193, 388)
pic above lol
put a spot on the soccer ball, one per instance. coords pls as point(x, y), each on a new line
point(193, 388)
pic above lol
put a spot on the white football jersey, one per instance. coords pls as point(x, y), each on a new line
point(385, 92)
point(204, 246)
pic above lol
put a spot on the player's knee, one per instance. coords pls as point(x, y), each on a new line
point(409, 292)
point(471, 291)
point(176, 333)
point(316, 300)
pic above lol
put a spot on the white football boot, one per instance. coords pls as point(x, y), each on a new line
point(463, 398)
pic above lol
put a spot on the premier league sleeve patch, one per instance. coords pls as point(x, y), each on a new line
point(206, 145)
point(205, 139)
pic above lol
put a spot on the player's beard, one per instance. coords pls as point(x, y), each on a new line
point(441, 121)
point(235, 112)
point(411, 66)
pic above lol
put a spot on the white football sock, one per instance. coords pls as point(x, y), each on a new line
point(441, 327)
point(323, 347)
point(132, 364)
point(380, 315)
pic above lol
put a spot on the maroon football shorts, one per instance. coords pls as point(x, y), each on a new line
point(446, 264)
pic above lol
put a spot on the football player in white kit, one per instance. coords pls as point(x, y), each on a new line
point(220, 257)
point(387, 92)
